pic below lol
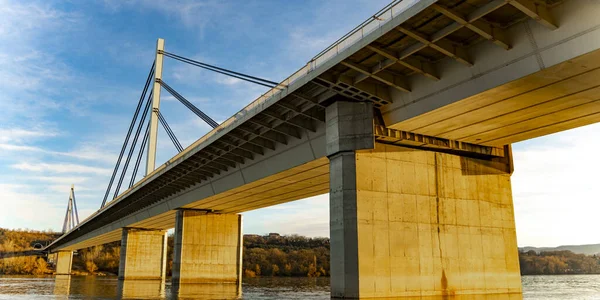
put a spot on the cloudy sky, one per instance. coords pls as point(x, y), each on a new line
point(71, 73)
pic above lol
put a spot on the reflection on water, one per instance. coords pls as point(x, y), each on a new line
point(141, 289)
point(580, 287)
point(206, 291)
point(62, 286)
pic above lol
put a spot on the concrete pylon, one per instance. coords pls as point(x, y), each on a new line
point(153, 136)
point(408, 222)
point(71, 216)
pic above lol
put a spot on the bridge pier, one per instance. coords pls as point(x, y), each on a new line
point(407, 222)
point(64, 262)
point(143, 254)
point(208, 248)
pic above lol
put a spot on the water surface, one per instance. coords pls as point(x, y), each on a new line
point(567, 287)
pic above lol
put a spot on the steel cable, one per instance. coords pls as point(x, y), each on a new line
point(137, 110)
point(170, 132)
point(241, 76)
point(189, 105)
point(140, 154)
point(133, 144)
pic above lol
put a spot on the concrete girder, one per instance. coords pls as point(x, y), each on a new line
point(422, 67)
point(254, 140)
point(436, 41)
point(224, 165)
point(486, 30)
point(302, 124)
point(536, 11)
point(233, 151)
point(268, 134)
point(378, 74)
point(225, 156)
point(307, 99)
point(199, 172)
point(185, 181)
point(443, 46)
point(344, 85)
point(280, 128)
point(292, 108)
point(431, 143)
point(243, 146)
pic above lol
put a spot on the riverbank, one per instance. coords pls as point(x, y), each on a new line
point(271, 255)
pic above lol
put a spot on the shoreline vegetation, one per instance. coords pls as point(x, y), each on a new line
point(272, 255)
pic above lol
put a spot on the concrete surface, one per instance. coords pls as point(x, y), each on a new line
point(64, 262)
point(208, 248)
point(143, 254)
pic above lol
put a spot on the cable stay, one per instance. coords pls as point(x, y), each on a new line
point(140, 154)
point(189, 105)
point(147, 110)
point(170, 132)
point(133, 144)
point(135, 115)
point(238, 75)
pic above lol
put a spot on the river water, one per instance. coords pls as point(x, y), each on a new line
point(568, 287)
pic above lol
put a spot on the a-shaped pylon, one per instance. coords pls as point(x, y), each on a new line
point(71, 217)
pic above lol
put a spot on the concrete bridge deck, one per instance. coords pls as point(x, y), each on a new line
point(478, 74)
point(431, 70)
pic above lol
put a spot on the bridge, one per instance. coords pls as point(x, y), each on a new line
point(406, 122)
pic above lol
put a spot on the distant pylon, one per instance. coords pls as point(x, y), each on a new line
point(72, 216)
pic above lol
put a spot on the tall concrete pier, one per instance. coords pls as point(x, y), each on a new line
point(143, 254)
point(408, 222)
point(407, 122)
point(64, 262)
point(208, 247)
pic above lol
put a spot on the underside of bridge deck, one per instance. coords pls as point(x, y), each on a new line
point(408, 126)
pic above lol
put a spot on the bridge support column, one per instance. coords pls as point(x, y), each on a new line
point(407, 222)
point(64, 262)
point(143, 254)
point(207, 248)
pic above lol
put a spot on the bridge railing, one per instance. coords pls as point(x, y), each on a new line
point(355, 35)
point(380, 18)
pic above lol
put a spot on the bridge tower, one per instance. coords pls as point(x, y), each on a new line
point(154, 113)
point(71, 216)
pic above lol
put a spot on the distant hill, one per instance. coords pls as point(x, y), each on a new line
point(579, 249)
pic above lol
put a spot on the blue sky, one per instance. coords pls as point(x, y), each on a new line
point(71, 73)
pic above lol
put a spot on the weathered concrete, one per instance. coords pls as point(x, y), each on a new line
point(407, 222)
point(143, 254)
point(545, 83)
point(64, 262)
point(208, 247)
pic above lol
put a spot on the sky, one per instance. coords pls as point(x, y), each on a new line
point(71, 73)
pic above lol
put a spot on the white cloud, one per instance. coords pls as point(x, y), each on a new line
point(24, 209)
point(226, 80)
point(84, 152)
point(19, 134)
point(60, 168)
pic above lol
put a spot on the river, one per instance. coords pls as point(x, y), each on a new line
point(567, 287)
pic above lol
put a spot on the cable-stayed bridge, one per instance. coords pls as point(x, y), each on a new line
point(406, 122)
